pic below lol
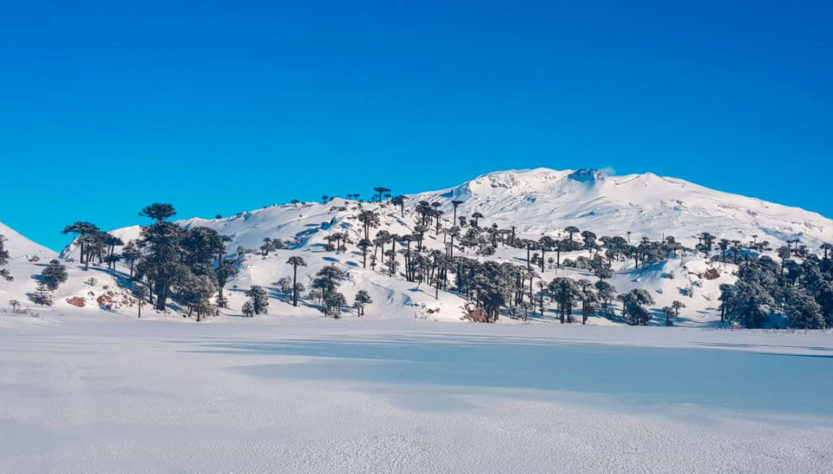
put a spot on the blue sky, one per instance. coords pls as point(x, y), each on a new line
point(226, 106)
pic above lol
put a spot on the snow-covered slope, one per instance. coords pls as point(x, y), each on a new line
point(26, 258)
point(544, 201)
point(20, 247)
point(535, 202)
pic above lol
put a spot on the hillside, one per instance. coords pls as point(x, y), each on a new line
point(545, 201)
point(517, 206)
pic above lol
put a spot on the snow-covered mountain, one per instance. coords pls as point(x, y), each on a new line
point(543, 201)
point(535, 202)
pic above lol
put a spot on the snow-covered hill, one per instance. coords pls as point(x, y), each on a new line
point(535, 202)
point(26, 258)
point(544, 201)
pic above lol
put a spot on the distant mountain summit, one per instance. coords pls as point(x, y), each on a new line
point(542, 200)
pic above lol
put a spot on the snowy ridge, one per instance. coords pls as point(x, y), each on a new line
point(535, 202)
point(543, 201)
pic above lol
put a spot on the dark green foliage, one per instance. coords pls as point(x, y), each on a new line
point(296, 287)
point(259, 299)
point(361, 300)
point(158, 212)
point(53, 275)
point(333, 303)
point(327, 281)
point(802, 292)
point(140, 293)
point(400, 201)
point(564, 291)
point(180, 263)
point(41, 296)
point(4, 260)
point(633, 307)
point(195, 289)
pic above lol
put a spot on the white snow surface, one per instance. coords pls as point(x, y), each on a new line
point(544, 201)
point(83, 392)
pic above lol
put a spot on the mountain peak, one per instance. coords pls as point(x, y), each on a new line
point(586, 175)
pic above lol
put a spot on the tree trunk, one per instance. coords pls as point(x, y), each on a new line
point(294, 285)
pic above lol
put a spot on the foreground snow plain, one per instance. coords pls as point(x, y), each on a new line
point(84, 391)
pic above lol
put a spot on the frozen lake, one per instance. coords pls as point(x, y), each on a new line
point(787, 383)
point(97, 393)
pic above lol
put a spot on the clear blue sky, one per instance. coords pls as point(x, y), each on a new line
point(220, 106)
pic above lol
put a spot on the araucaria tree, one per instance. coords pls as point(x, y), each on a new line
point(361, 300)
point(327, 281)
point(564, 291)
point(296, 262)
point(259, 299)
point(633, 307)
point(225, 272)
point(161, 263)
point(399, 201)
point(53, 275)
point(803, 294)
point(41, 296)
point(140, 293)
point(381, 190)
point(4, 260)
point(178, 262)
point(84, 233)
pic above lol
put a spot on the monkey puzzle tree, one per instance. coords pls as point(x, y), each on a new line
point(296, 262)
point(4, 260)
point(361, 300)
point(381, 190)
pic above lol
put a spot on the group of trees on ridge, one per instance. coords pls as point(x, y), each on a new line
point(192, 266)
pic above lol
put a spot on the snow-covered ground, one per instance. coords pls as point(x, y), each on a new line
point(91, 391)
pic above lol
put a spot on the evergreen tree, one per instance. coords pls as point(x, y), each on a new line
point(589, 299)
point(564, 291)
point(158, 212)
point(161, 263)
point(195, 290)
point(225, 272)
point(364, 246)
point(82, 231)
point(381, 190)
point(295, 262)
point(129, 254)
point(248, 309)
point(41, 296)
point(633, 307)
point(455, 204)
point(327, 281)
point(259, 299)
point(368, 219)
point(803, 312)
point(361, 300)
point(476, 216)
point(53, 275)
point(675, 309)
point(399, 201)
point(140, 293)
point(4, 260)
point(333, 303)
